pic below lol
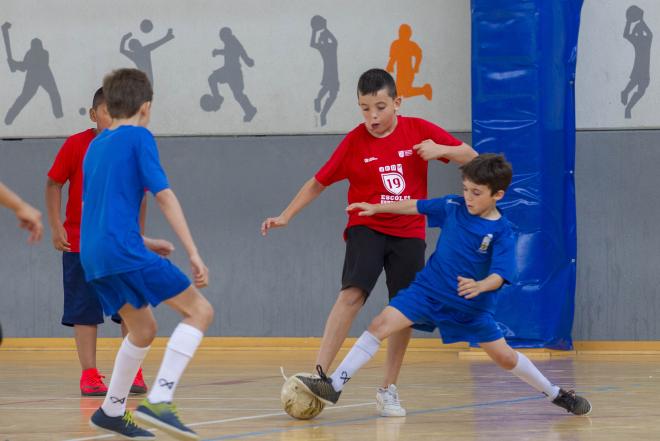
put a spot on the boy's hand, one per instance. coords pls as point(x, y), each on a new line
point(273, 222)
point(468, 288)
point(365, 208)
point(161, 247)
point(429, 150)
point(59, 238)
point(200, 271)
point(30, 219)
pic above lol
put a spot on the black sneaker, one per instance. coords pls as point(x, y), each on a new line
point(121, 425)
point(320, 387)
point(574, 404)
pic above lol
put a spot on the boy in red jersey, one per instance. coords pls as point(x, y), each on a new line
point(385, 159)
point(82, 309)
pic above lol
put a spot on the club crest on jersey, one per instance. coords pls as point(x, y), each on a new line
point(404, 153)
point(392, 176)
point(485, 243)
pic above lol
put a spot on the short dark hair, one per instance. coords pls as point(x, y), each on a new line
point(125, 90)
point(98, 98)
point(489, 169)
point(374, 80)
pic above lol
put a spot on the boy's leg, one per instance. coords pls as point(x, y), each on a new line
point(197, 315)
point(82, 310)
point(142, 330)
point(404, 259)
point(363, 263)
point(138, 386)
point(385, 324)
point(348, 304)
point(113, 416)
point(157, 410)
point(85, 336)
point(519, 365)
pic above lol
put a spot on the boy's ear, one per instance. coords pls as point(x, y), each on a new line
point(92, 114)
point(146, 106)
point(397, 102)
point(499, 194)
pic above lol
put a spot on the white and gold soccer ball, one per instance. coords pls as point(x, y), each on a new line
point(297, 401)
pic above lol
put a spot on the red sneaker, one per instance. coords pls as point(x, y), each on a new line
point(138, 386)
point(91, 383)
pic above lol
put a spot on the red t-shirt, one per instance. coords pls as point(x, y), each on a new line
point(68, 167)
point(383, 170)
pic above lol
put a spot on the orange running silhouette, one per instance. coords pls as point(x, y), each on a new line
point(406, 55)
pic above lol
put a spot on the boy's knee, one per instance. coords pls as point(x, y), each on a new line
point(145, 334)
point(378, 326)
point(507, 360)
point(202, 313)
point(352, 297)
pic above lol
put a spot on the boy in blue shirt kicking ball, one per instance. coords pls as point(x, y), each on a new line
point(457, 289)
point(120, 164)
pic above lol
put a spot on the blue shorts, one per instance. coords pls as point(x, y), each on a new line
point(152, 284)
point(454, 324)
point(81, 304)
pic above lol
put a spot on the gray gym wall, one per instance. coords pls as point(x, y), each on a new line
point(286, 283)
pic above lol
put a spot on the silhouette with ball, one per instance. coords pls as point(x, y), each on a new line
point(231, 74)
point(141, 54)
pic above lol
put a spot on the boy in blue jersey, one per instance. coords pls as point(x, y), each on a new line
point(120, 164)
point(457, 289)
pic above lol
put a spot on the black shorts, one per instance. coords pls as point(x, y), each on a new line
point(368, 252)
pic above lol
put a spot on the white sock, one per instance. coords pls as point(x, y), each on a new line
point(364, 348)
point(180, 349)
point(526, 371)
point(128, 361)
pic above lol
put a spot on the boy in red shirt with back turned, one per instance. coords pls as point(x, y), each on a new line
point(385, 159)
point(82, 308)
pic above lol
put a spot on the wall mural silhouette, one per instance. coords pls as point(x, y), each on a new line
point(140, 53)
point(406, 59)
point(640, 36)
point(38, 74)
point(325, 42)
point(231, 74)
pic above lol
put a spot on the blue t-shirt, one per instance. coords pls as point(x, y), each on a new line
point(119, 165)
point(469, 246)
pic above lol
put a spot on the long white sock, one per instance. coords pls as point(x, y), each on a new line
point(180, 349)
point(526, 371)
point(128, 361)
point(364, 348)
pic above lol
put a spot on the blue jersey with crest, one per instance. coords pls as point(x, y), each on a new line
point(469, 246)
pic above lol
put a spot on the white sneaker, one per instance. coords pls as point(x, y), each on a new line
point(387, 402)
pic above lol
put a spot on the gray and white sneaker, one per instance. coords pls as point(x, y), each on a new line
point(388, 403)
point(319, 386)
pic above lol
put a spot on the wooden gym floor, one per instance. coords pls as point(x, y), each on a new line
point(450, 394)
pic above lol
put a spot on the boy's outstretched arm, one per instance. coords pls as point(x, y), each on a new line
point(169, 205)
point(429, 150)
point(307, 193)
point(54, 211)
point(470, 288)
point(28, 216)
point(400, 207)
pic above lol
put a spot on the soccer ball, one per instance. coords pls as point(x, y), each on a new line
point(209, 103)
point(298, 402)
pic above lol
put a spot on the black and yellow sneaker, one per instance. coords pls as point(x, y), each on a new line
point(123, 426)
point(574, 404)
point(320, 386)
